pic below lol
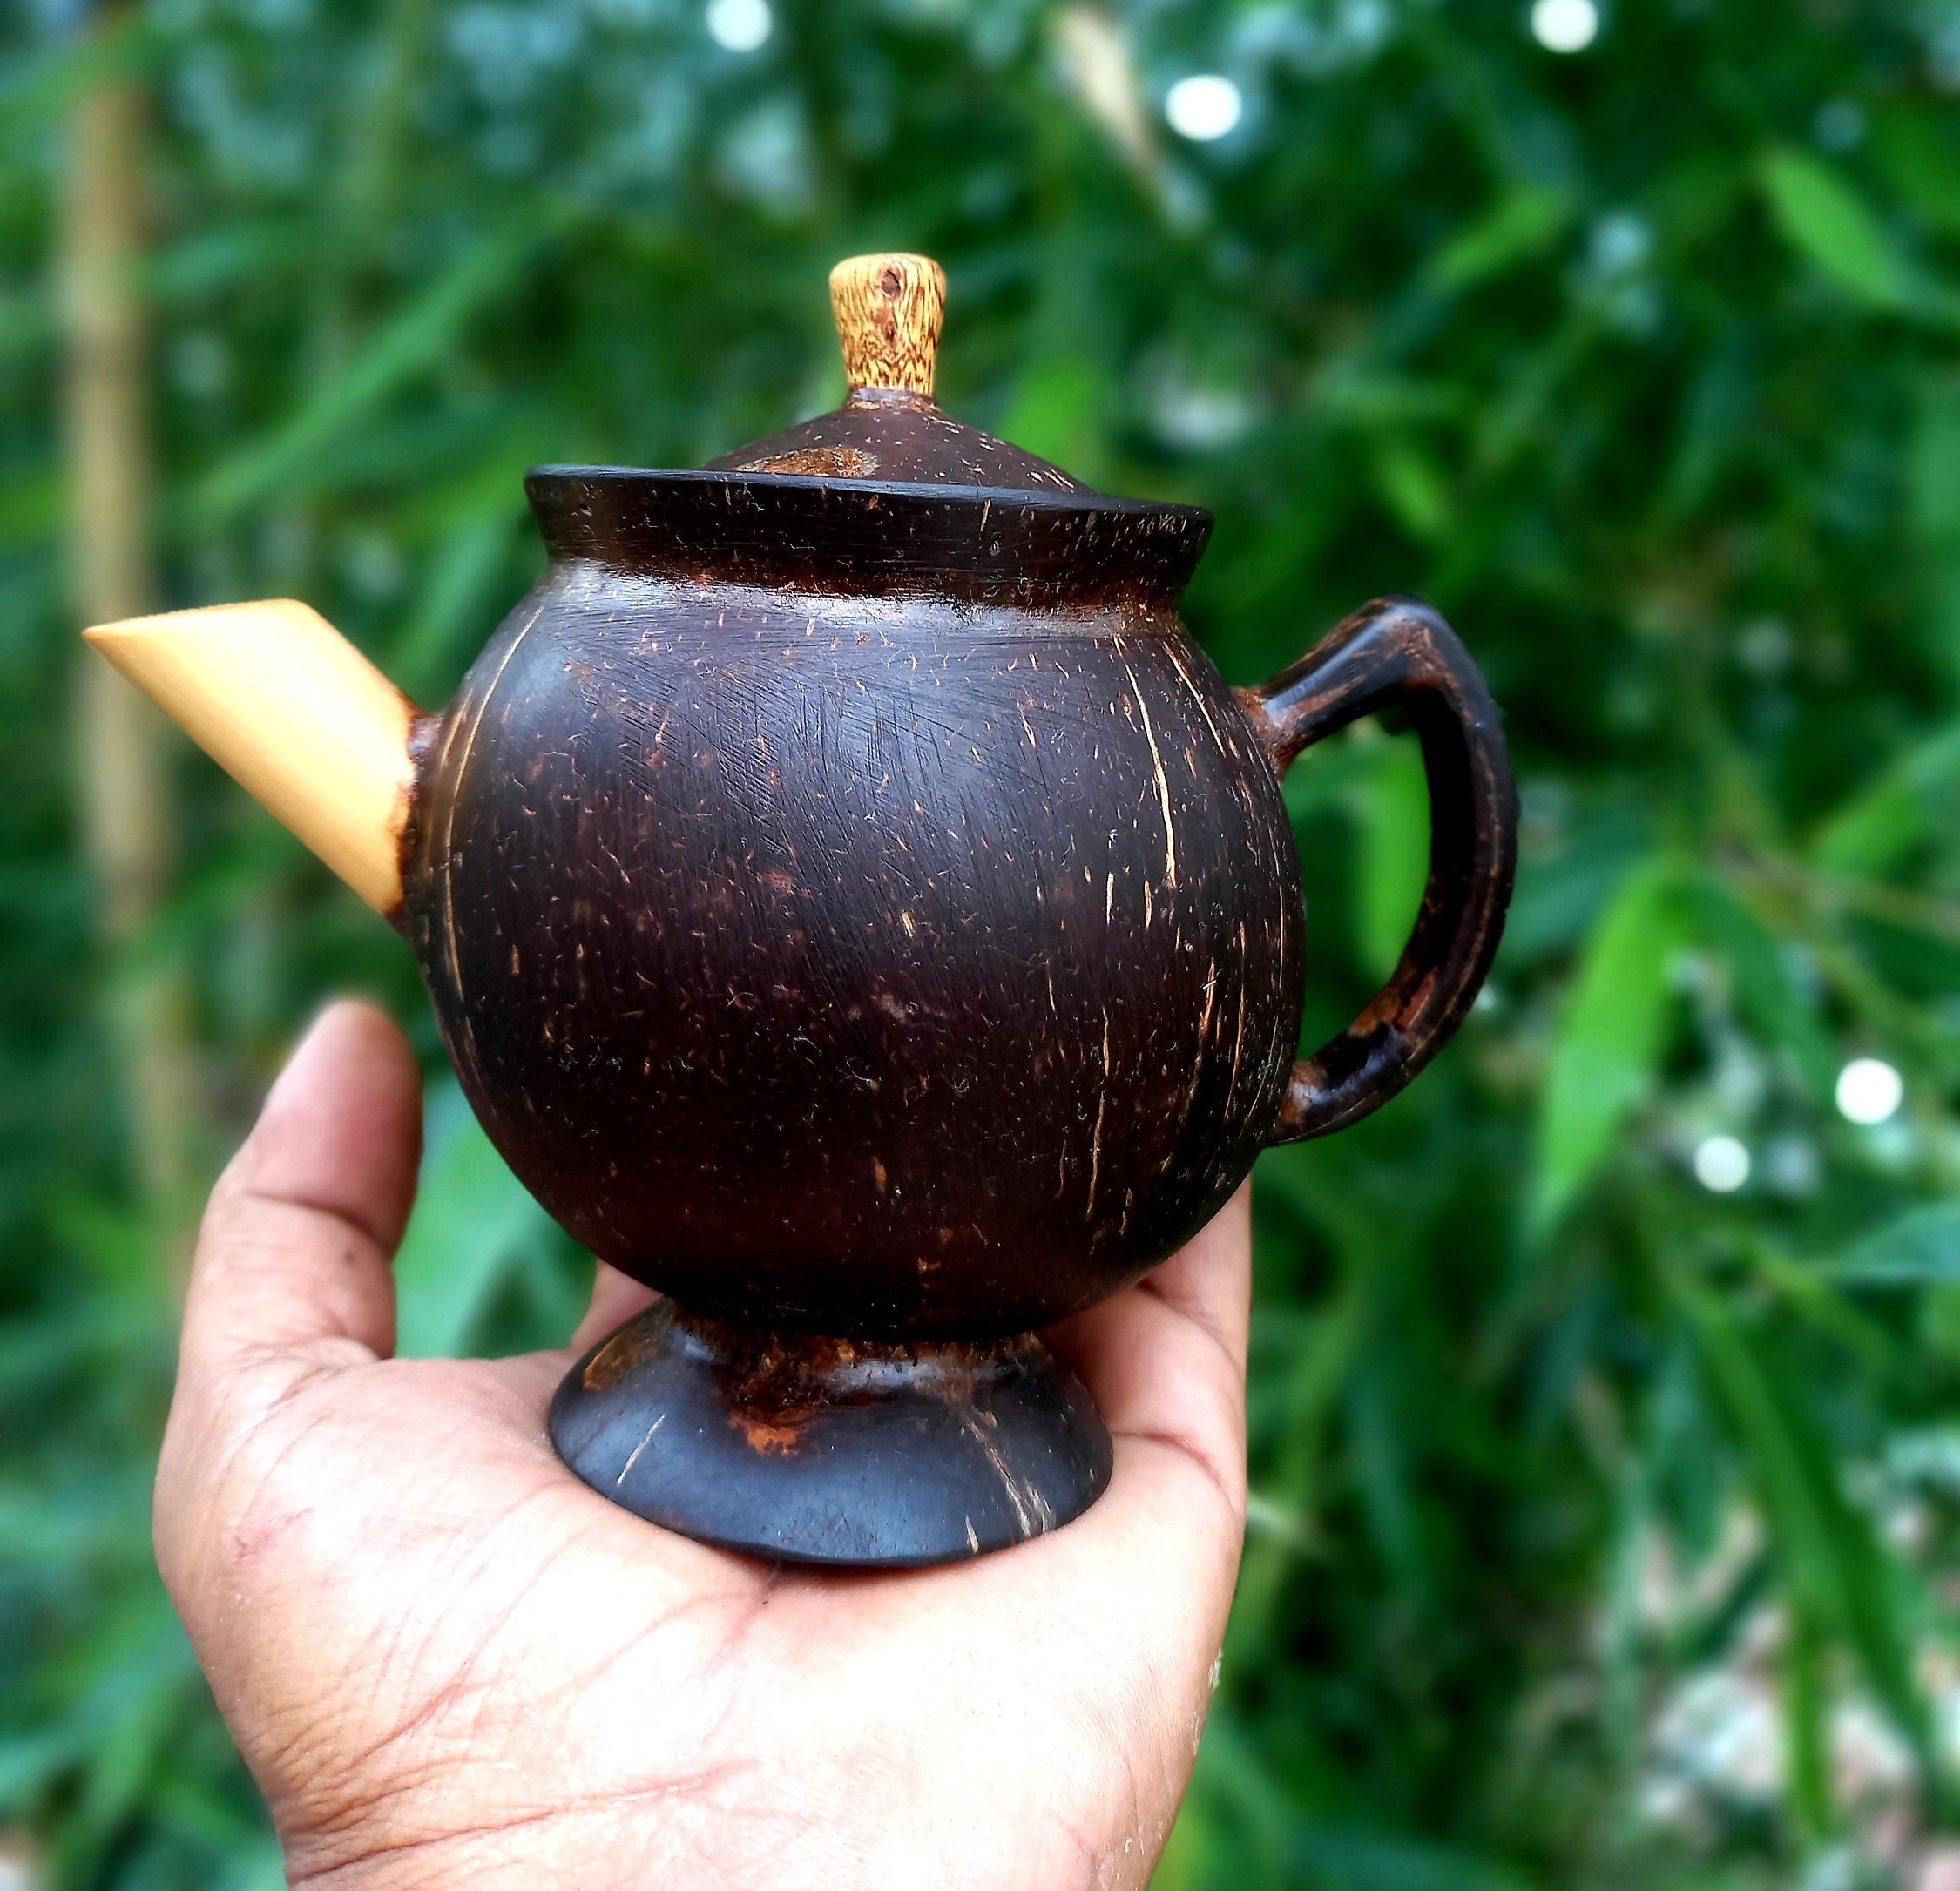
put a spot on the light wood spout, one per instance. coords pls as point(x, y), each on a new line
point(296, 715)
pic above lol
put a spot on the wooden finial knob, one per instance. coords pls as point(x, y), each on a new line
point(888, 311)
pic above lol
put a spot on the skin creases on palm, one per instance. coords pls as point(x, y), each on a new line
point(447, 1660)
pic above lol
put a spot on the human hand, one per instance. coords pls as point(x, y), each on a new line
point(449, 1661)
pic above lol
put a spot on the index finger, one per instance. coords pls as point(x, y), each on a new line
point(303, 1223)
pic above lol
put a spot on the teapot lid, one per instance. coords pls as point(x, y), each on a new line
point(887, 494)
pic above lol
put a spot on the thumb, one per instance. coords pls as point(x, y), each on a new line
point(296, 1244)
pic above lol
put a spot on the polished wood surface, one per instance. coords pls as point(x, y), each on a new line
point(888, 309)
point(1398, 654)
point(850, 965)
point(296, 715)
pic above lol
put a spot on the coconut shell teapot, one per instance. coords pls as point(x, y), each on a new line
point(855, 909)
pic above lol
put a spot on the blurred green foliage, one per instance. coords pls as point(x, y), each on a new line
point(1604, 1522)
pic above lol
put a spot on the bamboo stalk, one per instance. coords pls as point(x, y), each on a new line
point(123, 756)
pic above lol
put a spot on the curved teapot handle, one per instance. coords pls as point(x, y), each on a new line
point(1397, 653)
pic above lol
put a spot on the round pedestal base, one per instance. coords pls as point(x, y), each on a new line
point(857, 1452)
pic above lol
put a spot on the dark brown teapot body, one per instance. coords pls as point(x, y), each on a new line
point(852, 962)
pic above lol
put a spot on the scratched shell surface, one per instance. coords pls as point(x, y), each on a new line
point(859, 963)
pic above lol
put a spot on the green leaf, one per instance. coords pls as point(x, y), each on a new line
point(1521, 227)
point(1922, 1246)
point(1933, 488)
point(1612, 1035)
point(1057, 412)
point(1561, 890)
point(1411, 485)
point(1392, 855)
point(216, 259)
point(31, 1762)
point(1933, 467)
point(1388, 1500)
point(121, 45)
point(451, 605)
point(1822, 217)
point(1838, 1574)
point(419, 336)
point(1806, 1710)
point(1917, 148)
point(258, 1865)
point(1915, 800)
point(1359, 1860)
point(1766, 993)
point(474, 1224)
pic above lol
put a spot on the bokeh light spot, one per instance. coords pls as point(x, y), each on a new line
point(739, 25)
point(1564, 26)
point(1721, 1164)
point(1203, 106)
point(1868, 1091)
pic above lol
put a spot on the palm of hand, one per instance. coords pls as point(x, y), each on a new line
point(448, 1660)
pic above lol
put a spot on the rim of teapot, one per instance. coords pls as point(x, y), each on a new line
point(973, 543)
